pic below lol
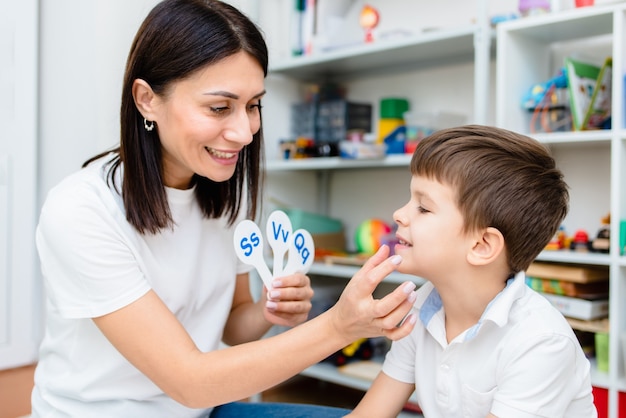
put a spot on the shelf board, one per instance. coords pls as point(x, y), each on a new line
point(568, 25)
point(420, 50)
point(596, 325)
point(328, 372)
point(575, 137)
point(346, 272)
point(337, 163)
point(573, 257)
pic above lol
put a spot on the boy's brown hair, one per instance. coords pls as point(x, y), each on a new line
point(502, 179)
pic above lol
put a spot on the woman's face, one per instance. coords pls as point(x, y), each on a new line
point(205, 120)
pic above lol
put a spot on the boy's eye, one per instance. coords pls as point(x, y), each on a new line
point(422, 209)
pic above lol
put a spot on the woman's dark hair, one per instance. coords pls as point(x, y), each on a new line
point(177, 38)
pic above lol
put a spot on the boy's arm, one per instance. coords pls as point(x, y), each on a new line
point(385, 398)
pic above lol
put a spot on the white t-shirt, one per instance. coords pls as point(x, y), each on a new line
point(521, 359)
point(94, 262)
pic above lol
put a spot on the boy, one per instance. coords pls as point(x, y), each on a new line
point(484, 202)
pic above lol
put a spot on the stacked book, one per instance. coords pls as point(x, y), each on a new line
point(577, 291)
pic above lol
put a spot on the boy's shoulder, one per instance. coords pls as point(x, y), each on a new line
point(517, 308)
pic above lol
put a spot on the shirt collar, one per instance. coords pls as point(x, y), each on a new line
point(497, 311)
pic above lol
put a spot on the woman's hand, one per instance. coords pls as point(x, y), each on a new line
point(289, 301)
point(358, 315)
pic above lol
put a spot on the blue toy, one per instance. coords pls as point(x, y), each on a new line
point(538, 93)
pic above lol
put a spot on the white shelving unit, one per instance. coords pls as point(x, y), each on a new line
point(531, 51)
point(472, 44)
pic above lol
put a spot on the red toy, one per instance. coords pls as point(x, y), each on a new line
point(580, 241)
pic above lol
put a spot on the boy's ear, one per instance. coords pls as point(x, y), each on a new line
point(144, 98)
point(487, 247)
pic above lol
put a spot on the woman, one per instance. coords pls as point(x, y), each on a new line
point(136, 248)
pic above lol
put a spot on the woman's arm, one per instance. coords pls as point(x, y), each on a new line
point(153, 340)
point(289, 305)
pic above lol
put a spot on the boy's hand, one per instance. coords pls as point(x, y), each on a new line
point(358, 315)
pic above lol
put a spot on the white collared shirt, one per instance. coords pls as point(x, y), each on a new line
point(521, 359)
point(94, 262)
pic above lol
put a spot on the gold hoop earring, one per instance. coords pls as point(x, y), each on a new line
point(148, 125)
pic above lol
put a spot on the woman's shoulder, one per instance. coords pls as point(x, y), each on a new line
point(89, 187)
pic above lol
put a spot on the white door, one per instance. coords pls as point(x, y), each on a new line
point(19, 292)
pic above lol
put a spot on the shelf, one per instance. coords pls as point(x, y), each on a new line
point(403, 160)
point(578, 23)
point(337, 163)
point(573, 257)
point(328, 372)
point(596, 325)
point(575, 138)
point(347, 272)
point(422, 50)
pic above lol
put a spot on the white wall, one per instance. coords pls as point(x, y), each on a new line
point(19, 298)
point(83, 53)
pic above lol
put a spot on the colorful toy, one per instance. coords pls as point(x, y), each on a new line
point(580, 241)
point(558, 240)
point(391, 125)
point(370, 234)
point(368, 20)
point(601, 243)
point(537, 93)
point(549, 103)
point(361, 349)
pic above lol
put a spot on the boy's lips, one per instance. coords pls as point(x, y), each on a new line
point(403, 241)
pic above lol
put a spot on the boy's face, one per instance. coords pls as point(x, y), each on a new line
point(430, 230)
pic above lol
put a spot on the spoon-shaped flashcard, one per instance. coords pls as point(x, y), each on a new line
point(278, 233)
point(249, 248)
point(301, 253)
point(298, 245)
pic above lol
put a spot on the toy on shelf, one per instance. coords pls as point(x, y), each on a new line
point(533, 7)
point(550, 104)
point(558, 241)
point(370, 234)
point(391, 124)
point(361, 349)
point(601, 243)
point(368, 20)
point(580, 241)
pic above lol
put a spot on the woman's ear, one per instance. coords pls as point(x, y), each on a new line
point(144, 98)
point(487, 247)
